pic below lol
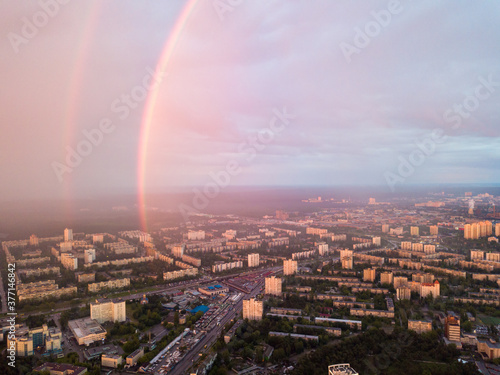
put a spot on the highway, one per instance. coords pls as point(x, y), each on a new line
point(186, 362)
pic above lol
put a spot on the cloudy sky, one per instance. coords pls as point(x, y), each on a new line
point(361, 85)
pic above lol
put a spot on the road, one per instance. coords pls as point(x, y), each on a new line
point(186, 362)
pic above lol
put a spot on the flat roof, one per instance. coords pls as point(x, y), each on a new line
point(201, 308)
point(85, 327)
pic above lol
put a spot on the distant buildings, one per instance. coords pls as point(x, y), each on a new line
point(414, 231)
point(196, 235)
point(289, 267)
point(110, 284)
point(121, 247)
point(396, 231)
point(213, 290)
point(253, 260)
point(400, 281)
point(403, 292)
point(322, 248)
point(89, 255)
point(69, 261)
point(385, 228)
point(434, 230)
point(253, 309)
point(315, 231)
point(97, 238)
point(191, 260)
point(33, 240)
point(226, 266)
point(427, 289)
point(282, 215)
point(178, 251)
point(386, 278)
point(346, 258)
point(68, 235)
point(369, 275)
point(171, 275)
point(273, 285)
point(477, 230)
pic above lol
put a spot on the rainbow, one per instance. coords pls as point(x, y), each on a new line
point(151, 101)
point(76, 86)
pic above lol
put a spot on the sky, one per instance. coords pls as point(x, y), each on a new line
point(123, 96)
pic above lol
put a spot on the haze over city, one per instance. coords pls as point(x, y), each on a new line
point(229, 187)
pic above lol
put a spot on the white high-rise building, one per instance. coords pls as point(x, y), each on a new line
point(108, 311)
point(68, 235)
point(273, 285)
point(253, 309)
point(253, 260)
point(89, 255)
point(69, 261)
point(346, 258)
point(322, 248)
point(178, 251)
point(289, 267)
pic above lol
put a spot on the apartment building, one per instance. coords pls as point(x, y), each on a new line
point(289, 267)
point(419, 326)
point(253, 260)
point(110, 284)
point(253, 309)
point(171, 275)
point(273, 285)
point(108, 311)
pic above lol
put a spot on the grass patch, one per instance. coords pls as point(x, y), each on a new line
point(489, 320)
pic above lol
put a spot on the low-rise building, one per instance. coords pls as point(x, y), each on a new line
point(419, 326)
point(110, 284)
point(86, 331)
point(171, 275)
point(111, 360)
point(488, 349)
point(132, 358)
point(61, 369)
